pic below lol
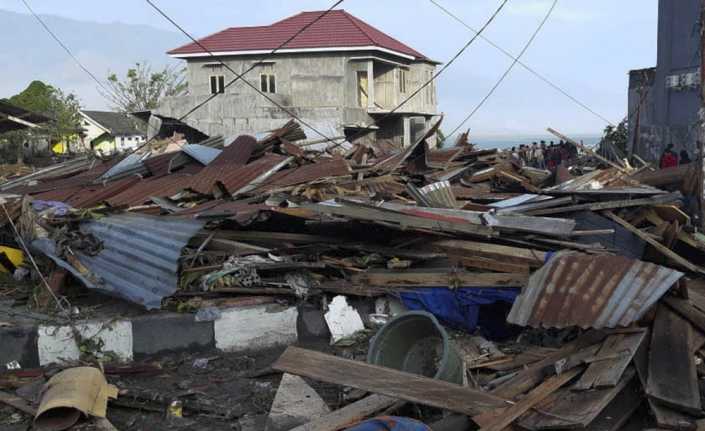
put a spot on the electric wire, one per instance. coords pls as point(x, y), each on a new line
point(509, 69)
point(524, 65)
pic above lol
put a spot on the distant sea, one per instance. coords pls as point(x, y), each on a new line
point(511, 141)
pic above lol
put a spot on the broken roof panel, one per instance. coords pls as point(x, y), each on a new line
point(335, 167)
point(139, 260)
point(591, 292)
point(141, 192)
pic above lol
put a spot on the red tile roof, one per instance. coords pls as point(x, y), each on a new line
point(337, 29)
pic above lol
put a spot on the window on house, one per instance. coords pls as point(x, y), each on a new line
point(268, 83)
point(362, 98)
point(217, 84)
point(402, 80)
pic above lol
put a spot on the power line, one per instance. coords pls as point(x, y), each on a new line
point(455, 57)
point(524, 65)
point(509, 69)
point(66, 48)
point(239, 76)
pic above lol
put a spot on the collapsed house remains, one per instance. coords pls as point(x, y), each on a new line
point(589, 278)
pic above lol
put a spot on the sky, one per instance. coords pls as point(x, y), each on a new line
point(586, 47)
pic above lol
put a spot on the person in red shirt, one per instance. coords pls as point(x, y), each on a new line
point(669, 159)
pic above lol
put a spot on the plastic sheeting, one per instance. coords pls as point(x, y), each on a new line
point(466, 308)
point(390, 423)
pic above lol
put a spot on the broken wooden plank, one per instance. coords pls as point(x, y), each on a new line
point(499, 420)
point(478, 262)
point(426, 278)
point(684, 308)
point(567, 408)
point(620, 410)
point(658, 246)
point(349, 414)
point(673, 378)
point(609, 205)
point(611, 360)
point(533, 258)
point(17, 402)
point(665, 417)
point(386, 381)
point(535, 373)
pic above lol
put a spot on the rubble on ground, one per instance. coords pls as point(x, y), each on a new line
point(581, 286)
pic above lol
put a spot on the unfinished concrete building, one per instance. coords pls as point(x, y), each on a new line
point(340, 75)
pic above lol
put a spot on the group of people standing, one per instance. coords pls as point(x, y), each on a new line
point(544, 156)
point(669, 159)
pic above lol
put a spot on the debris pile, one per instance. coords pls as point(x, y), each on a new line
point(588, 276)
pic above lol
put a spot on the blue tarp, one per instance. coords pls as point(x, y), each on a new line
point(466, 308)
point(390, 423)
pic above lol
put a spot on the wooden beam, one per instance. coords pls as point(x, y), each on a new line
point(349, 414)
point(587, 150)
point(411, 278)
point(608, 205)
point(17, 402)
point(612, 360)
point(673, 378)
point(534, 258)
point(499, 420)
point(490, 264)
point(657, 245)
point(386, 381)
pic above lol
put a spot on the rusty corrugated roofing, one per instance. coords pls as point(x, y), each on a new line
point(140, 193)
point(335, 167)
point(91, 196)
point(236, 180)
point(233, 156)
point(590, 292)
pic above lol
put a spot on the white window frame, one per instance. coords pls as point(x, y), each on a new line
point(270, 78)
point(219, 87)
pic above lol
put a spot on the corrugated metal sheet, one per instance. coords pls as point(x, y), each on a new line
point(439, 195)
point(90, 196)
point(590, 292)
point(139, 261)
point(204, 155)
point(131, 163)
point(161, 187)
point(323, 168)
point(234, 155)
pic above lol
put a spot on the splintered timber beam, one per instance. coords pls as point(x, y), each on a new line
point(386, 381)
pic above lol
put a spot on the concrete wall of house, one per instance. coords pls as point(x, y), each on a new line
point(321, 88)
point(673, 111)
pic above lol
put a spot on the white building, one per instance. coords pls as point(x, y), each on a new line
point(109, 132)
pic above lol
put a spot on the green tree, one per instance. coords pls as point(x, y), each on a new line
point(142, 89)
point(62, 108)
point(617, 136)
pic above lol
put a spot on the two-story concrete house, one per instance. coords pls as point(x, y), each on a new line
point(340, 75)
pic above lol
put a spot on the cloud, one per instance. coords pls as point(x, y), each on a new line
point(563, 12)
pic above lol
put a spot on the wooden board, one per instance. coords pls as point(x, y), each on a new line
point(482, 263)
point(426, 278)
point(673, 376)
point(522, 256)
point(386, 381)
point(686, 309)
point(665, 417)
point(349, 414)
point(658, 246)
point(500, 419)
point(17, 402)
point(608, 205)
point(619, 349)
point(619, 410)
point(535, 373)
point(567, 408)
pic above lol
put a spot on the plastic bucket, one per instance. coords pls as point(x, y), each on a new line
point(416, 343)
